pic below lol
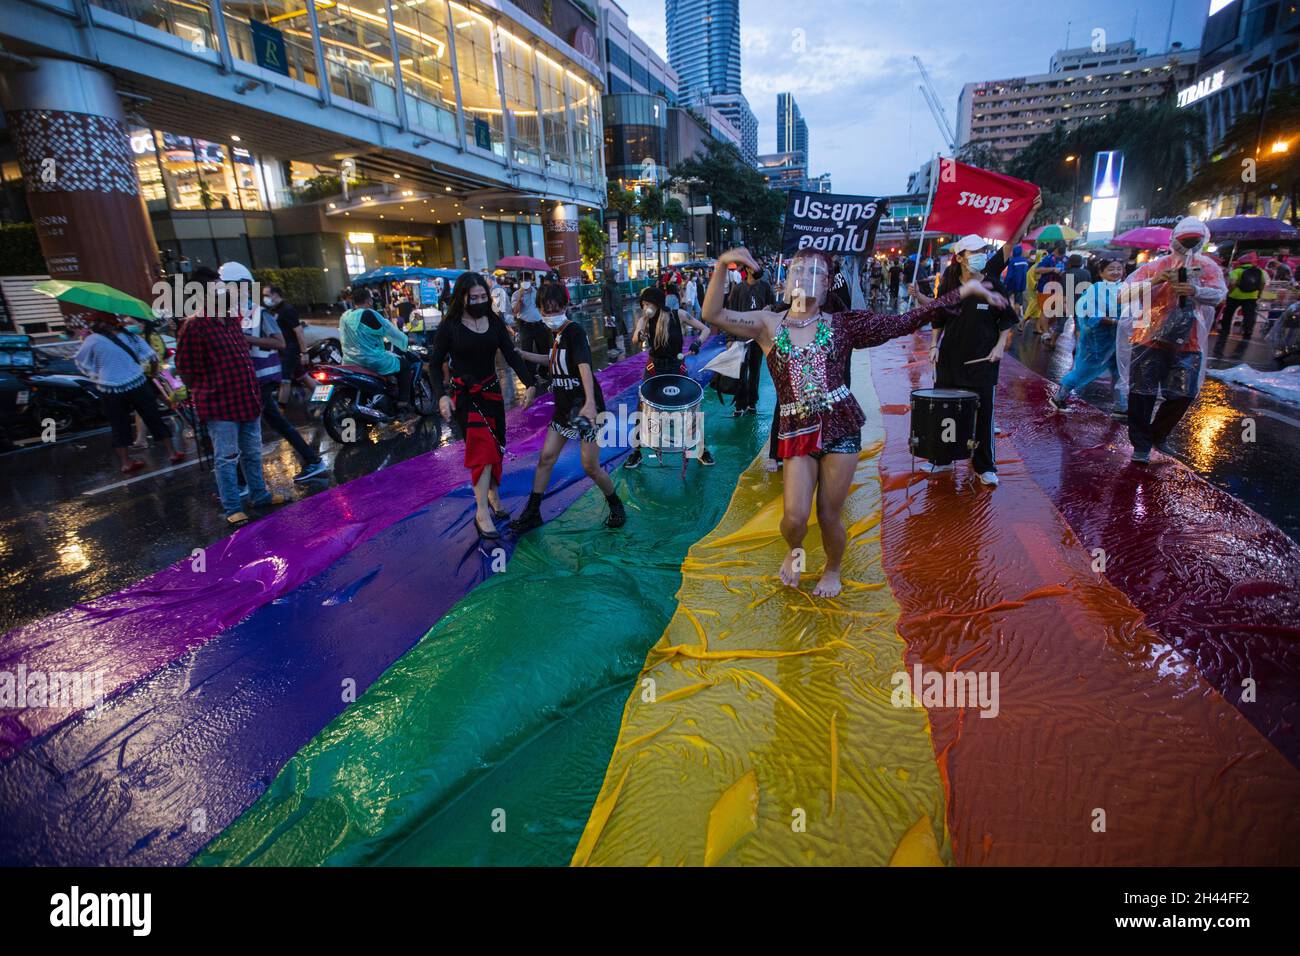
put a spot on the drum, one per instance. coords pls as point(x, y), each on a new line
point(943, 424)
point(670, 413)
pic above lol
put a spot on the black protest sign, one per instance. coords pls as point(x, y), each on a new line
point(829, 223)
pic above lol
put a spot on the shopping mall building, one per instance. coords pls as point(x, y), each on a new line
point(163, 134)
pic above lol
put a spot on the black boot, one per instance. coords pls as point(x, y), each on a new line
point(617, 515)
point(530, 517)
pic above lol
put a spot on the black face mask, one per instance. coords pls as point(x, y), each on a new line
point(479, 310)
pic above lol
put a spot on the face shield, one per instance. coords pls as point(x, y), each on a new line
point(807, 282)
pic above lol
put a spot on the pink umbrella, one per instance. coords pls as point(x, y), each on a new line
point(527, 263)
point(1144, 237)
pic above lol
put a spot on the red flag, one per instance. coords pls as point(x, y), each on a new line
point(973, 200)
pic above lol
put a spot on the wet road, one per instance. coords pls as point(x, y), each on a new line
point(71, 529)
point(1239, 440)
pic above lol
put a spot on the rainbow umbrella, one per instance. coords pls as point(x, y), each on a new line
point(1055, 232)
point(94, 295)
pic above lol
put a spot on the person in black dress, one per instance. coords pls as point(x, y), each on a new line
point(470, 336)
point(578, 407)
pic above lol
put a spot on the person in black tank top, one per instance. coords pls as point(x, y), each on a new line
point(578, 406)
point(662, 330)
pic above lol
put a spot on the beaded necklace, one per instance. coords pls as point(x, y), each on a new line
point(807, 364)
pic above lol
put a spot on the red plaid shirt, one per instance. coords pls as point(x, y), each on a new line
point(212, 357)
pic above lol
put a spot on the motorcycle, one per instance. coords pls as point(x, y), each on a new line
point(325, 352)
point(71, 401)
point(353, 394)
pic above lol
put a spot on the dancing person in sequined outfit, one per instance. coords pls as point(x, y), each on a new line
point(820, 422)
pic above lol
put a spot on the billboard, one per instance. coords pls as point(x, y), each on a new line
point(1107, 178)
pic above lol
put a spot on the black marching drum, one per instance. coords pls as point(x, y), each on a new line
point(943, 424)
point(669, 410)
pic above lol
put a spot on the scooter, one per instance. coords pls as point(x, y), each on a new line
point(71, 401)
point(356, 399)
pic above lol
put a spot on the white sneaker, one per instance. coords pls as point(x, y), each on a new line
point(989, 478)
point(932, 469)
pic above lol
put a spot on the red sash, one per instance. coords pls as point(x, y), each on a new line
point(482, 449)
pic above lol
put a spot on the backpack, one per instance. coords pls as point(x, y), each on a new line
point(1252, 280)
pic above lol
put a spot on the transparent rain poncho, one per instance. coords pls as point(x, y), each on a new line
point(1163, 337)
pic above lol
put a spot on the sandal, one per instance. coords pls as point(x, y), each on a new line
point(131, 467)
point(237, 518)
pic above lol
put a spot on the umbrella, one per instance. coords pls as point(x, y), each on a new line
point(94, 295)
point(1259, 228)
point(1053, 233)
point(527, 263)
point(1145, 237)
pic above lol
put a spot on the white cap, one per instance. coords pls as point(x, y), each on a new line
point(1191, 226)
point(971, 243)
point(234, 272)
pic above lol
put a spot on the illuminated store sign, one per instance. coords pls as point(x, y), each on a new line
point(1203, 88)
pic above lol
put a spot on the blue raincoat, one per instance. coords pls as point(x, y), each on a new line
point(1097, 315)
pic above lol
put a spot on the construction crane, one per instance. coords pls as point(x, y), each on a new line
point(936, 108)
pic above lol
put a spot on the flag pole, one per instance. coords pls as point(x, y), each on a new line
point(936, 166)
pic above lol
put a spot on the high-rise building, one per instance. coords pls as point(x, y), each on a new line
point(791, 130)
point(1007, 115)
point(735, 108)
point(784, 171)
point(704, 49)
point(640, 89)
point(704, 45)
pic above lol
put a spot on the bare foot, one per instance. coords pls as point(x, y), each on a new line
point(829, 585)
point(789, 576)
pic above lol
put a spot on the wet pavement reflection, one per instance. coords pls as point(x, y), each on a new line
point(1239, 440)
point(72, 529)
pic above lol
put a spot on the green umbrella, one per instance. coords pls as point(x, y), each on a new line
point(94, 295)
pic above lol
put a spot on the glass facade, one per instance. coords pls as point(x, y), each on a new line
point(198, 175)
point(289, 17)
point(584, 101)
point(479, 90)
point(518, 67)
point(555, 116)
point(191, 20)
point(453, 63)
point(636, 137)
point(424, 53)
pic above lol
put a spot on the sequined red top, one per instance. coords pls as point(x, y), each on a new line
point(816, 407)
